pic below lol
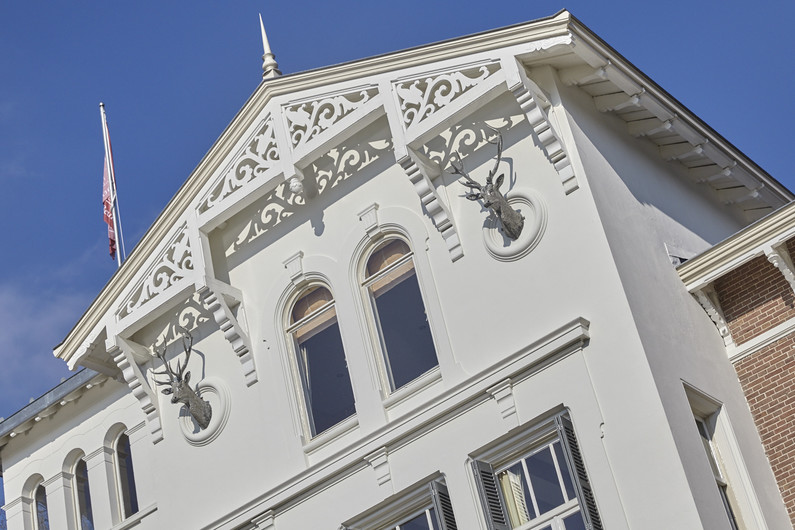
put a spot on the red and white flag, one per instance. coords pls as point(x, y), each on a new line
point(107, 203)
point(110, 205)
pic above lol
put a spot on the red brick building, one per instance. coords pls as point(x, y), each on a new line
point(746, 284)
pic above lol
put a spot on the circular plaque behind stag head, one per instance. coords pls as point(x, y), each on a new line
point(216, 393)
point(534, 211)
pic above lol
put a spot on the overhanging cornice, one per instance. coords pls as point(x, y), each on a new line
point(739, 248)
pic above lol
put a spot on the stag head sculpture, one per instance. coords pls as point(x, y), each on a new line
point(179, 384)
point(512, 221)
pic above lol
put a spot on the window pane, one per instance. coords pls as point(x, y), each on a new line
point(417, 523)
point(544, 479)
point(516, 494)
point(574, 522)
point(312, 300)
point(327, 384)
point(385, 255)
point(129, 497)
point(42, 517)
point(83, 496)
point(404, 327)
point(564, 470)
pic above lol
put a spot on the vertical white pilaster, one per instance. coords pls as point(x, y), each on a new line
point(104, 495)
point(19, 514)
point(60, 502)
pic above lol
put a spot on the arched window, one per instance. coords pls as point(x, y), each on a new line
point(327, 391)
point(400, 319)
point(125, 478)
point(83, 496)
point(41, 516)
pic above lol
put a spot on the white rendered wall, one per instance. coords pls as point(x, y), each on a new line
point(644, 204)
point(482, 311)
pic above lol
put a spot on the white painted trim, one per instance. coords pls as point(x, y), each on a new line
point(739, 352)
point(135, 518)
point(470, 392)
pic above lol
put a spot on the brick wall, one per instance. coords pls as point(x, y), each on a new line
point(768, 379)
point(754, 297)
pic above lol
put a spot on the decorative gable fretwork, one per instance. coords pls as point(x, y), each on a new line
point(259, 155)
point(174, 264)
point(420, 97)
point(308, 119)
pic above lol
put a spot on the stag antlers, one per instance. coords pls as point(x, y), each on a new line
point(179, 384)
point(511, 220)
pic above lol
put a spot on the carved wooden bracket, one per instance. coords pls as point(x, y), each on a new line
point(127, 355)
point(779, 257)
point(708, 299)
point(533, 102)
point(220, 298)
point(421, 174)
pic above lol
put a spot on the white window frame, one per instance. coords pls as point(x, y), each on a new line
point(119, 483)
point(402, 507)
point(345, 425)
point(521, 445)
point(726, 451)
point(76, 492)
point(389, 390)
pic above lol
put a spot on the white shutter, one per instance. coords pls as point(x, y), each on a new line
point(490, 496)
point(443, 506)
point(577, 466)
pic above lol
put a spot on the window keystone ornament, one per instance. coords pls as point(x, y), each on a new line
point(179, 381)
point(512, 221)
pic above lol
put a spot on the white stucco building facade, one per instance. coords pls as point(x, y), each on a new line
point(565, 379)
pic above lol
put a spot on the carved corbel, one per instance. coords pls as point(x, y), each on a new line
point(779, 257)
point(502, 393)
point(379, 462)
point(421, 172)
point(220, 298)
point(708, 299)
point(127, 355)
point(533, 102)
point(265, 521)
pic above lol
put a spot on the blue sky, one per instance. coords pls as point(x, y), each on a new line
point(173, 74)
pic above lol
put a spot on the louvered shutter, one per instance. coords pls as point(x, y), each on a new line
point(443, 506)
point(490, 496)
point(581, 482)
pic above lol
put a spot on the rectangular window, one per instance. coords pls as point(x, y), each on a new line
point(426, 507)
point(724, 456)
point(399, 313)
point(713, 458)
point(545, 487)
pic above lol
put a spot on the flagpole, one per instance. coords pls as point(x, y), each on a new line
point(114, 198)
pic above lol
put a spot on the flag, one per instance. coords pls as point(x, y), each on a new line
point(107, 203)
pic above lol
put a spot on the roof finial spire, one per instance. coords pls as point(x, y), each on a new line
point(270, 67)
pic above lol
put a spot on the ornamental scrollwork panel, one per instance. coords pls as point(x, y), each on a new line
point(307, 120)
point(467, 137)
point(344, 161)
point(258, 156)
point(276, 206)
point(190, 315)
point(174, 264)
point(421, 97)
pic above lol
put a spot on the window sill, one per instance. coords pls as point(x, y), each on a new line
point(327, 436)
point(414, 387)
point(135, 518)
